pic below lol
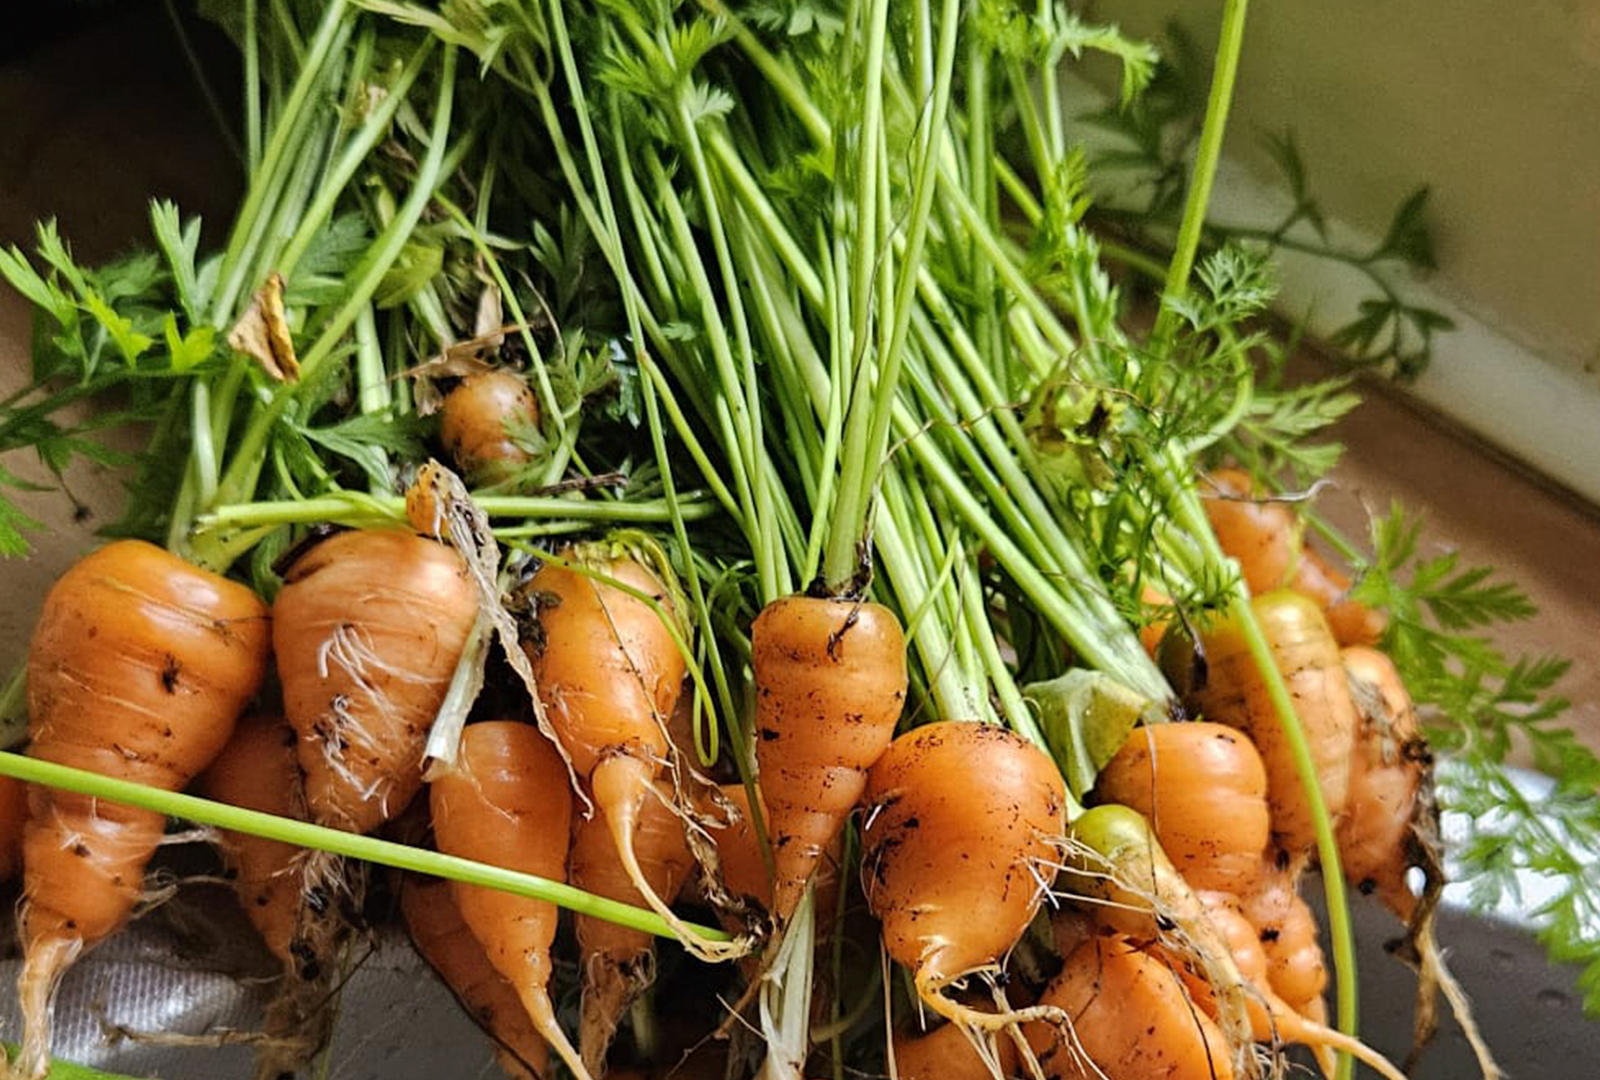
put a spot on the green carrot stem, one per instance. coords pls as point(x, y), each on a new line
point(356, 505)
point(1225, 70)
point(351, 845)
point(1340, 933)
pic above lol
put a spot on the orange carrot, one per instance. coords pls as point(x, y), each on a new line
point(138, 668)
point(368, 629)
point(1352, 622)
point(478, 423)
point(619, 963)
point(1272, 1019)
point(1263, 536)
point(258, 770)
point(445, 942)
point(609, 674)
point(509, 802)
point(1266, 538)
point(960, 819)
point(1128, 1017)
point(1204, 789)
point(739, 852)
point(1151, 633)
point(294, 916)
point(1387, 771)
point(947, 1053)
point(13, 815)
point(830, 684)
point(1236, 694)
point(1288, 934)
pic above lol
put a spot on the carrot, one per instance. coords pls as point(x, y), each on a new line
point(960, 819)
point(1272, 1019)
point(609, 672)
point(137, 670)
point(478, 424)
point(1387, 772)
point(744, 873)
point(258, 770)
point(294, 916)
point(1263, 536)
point(440, 934)
point(13, 815)
point(1236, 695)
point(947, 1053)
point(1266, 539)
point(1352, 622)
point(830, 684)
point(1151, 633)
point(619, 963)
point(1204, 789)
point(1288, 933)
point(367, 630)
point(1128, 1017)
point(509, 802)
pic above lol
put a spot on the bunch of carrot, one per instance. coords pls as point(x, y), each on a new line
point(799, 699)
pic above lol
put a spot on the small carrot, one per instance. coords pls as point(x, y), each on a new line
point(479, 420)
point(744, 873)
point(1153, 630)
point(960, 819)
point(1288, 933)
point(440, 934)
point(1128, 1017)
point(830, 684)
point(619, 963)
point(13, 816)
point(258, 770)
point(1263, 536)
point(1272, 1019)
point(137, 670)
point(1267, 540)
point(1387, 772)
point(509, 802)
point(947, 1053)
point(368, 629)
point(1235, 694)
point(1204, 789)
point(1352, 622)
point(610, 672)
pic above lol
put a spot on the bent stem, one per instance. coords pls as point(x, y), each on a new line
point(351, 845)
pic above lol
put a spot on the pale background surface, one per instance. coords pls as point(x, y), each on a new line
point(95, 125)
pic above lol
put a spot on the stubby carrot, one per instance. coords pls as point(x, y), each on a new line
point(830, 685)
point(1268, 541)
point(367, 630)
point(961, 821)
point(1128, 1017)
point(948, 1053)
point(1236, 694)
point(138, 668)
point(442, 936)
point(296, 918)
point(1378, 835)
point(1204, 789)
point(618, 963)
point(479, 420)
point(509, 802)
